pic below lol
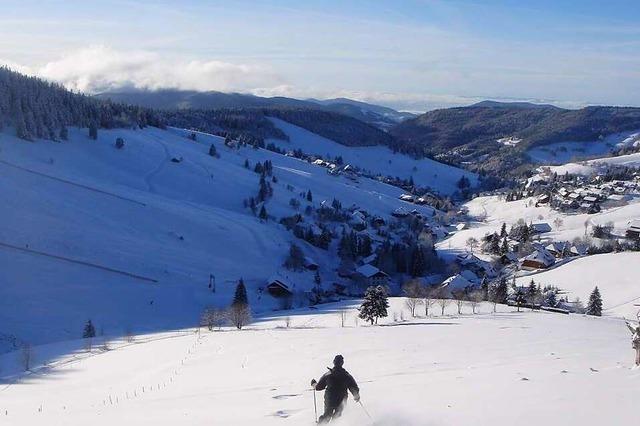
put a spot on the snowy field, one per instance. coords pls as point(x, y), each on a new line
point(528, 368)
point(377, 159)
point(129, 238)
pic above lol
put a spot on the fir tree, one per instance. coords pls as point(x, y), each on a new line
point(212, 151)
point(89, 330)
point(93, 131)
point(309, 196)
point(594, 307)
point(240, 297)
point(503, 230)
point(263, 213)
point(374, 305)
point(520, 297)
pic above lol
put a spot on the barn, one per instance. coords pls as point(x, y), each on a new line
point(278, 288)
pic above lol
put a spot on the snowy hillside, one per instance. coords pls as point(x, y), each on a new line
point(129, 237)
point(564, 152)
point(594, 166)
point(376, 159)
point(531, 368)
point(617, 276)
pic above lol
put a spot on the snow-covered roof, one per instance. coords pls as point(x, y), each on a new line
point(456, 283)
point(541, 228)
point(541, 256)
point(368, 270)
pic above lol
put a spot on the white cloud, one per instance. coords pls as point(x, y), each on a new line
point(99, 68)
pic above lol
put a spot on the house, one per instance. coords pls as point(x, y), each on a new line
point(508, 258)
point(310, 264)
point(633, 230)
point(400, 212)
point(544, 199)
point(372, 275)
point(558, 248)
point(541, 228)
point(454, 284)
point(277, 287)
point(539, 259)
point(476, 265)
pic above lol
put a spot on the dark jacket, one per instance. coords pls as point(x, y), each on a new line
point(337, 381)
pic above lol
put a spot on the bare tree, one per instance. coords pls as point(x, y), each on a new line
point(459, 298)
point(474, 298)
point(26, 356)
point(472, 243)
point(429, 301)
point(413, 291)
point(213, 318)
point(287, 322)
point(343, 317)
point(240, 315)
point(443, 300)
point(129, 336)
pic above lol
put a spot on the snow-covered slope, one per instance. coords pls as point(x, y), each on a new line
point(129, 238)
point(594, 166)
point(531, 368)
point(564, 152)
point(376, 159)
point(616, 274)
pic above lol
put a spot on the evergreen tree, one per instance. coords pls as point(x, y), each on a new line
point(374, 305)
point(520, 297)
point(64, 133)
point(503, 230)
point(504, 248)
point(212, 151)
point(89, 330)
point(317, 279)
point(93, 131)
point(417, 262)
point(246, 163)
point(240, 297)
point(263, 213)
point(594, 307)
point(309, 196)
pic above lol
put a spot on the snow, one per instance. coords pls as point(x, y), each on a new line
point(488, 368)
point(129, 239)
point(616, 274)
point(367, 270)
point(594, 166)
point(619, 272)
point(564, 152)
point(377, 159)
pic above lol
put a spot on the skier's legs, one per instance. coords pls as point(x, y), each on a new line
point(339, 409)
point(329, 409)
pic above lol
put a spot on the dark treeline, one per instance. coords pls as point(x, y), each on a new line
point(39, 109)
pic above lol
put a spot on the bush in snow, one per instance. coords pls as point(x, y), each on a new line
point(213, 318)
point(374, 305)
point(119, 143)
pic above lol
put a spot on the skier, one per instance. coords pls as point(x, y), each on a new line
point(635, 341)
point(336, 382)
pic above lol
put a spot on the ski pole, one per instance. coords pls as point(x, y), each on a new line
point(365, 410)
point(315, 406)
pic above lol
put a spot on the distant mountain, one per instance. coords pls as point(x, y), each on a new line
point(471, 134)
point(523, 105)
point(379, 116)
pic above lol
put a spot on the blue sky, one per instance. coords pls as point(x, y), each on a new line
point(407, 54)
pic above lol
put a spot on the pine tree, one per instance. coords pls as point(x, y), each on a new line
point(240, 297)
point(417, 262)
point(520, 297)
point(212, 151)
point(89, 330)
point(239, 312)
point(503, 230)
point(374, 305)
point(93, 131)
point(263, 213)
point(64, 133)
point(594, 307)
point(317, 279)
point(309, 196)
